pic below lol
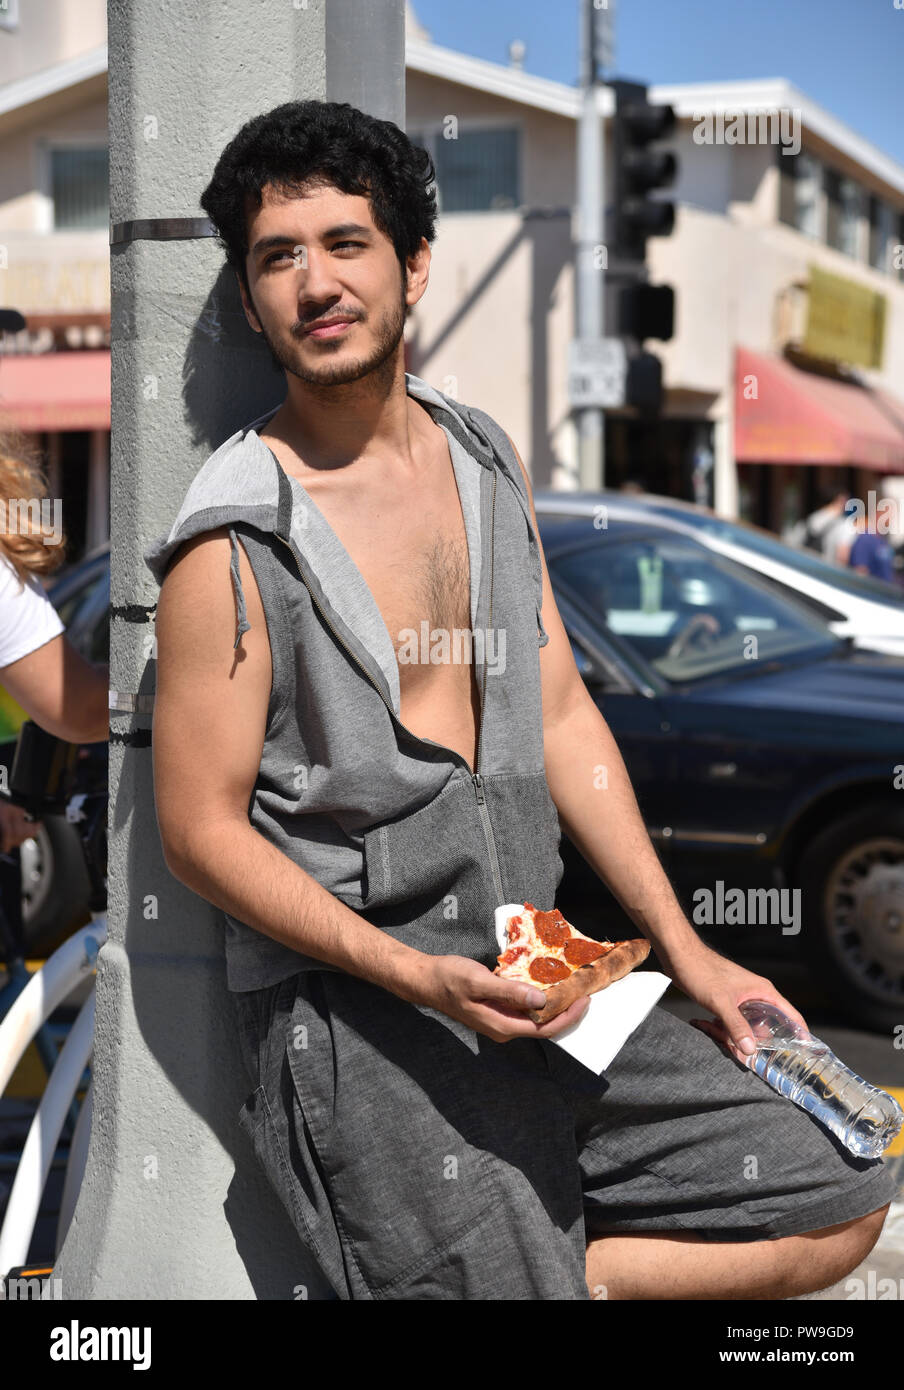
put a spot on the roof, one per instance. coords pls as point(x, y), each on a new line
point(45, 83)
point(690, 100)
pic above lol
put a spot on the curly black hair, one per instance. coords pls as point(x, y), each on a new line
point(330, 141)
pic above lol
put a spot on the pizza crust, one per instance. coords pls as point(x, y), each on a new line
point(587, 979)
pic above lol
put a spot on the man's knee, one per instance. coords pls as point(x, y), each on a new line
point(843, 1247)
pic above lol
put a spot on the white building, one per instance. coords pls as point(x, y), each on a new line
point(54, 250)
point(753, 220)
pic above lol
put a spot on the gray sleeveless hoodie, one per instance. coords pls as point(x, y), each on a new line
point(399, 828)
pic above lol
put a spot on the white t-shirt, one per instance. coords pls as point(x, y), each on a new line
point(27, 617)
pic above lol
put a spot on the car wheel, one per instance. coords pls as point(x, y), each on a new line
point(55, 886)
point(851, 878)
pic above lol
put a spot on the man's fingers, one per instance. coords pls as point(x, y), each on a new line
point(510, 994)
point(720, 1035)
point(565, 1019)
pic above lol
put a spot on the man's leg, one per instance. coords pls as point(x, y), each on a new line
point(699, 1181)
point(681, 1265)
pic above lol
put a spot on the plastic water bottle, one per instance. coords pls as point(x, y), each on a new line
point(806, 1070)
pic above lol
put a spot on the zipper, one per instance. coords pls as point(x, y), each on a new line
point(488, 834)
point(476, 779)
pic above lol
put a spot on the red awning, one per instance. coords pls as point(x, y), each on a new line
point(786, 415)
point(55, 390)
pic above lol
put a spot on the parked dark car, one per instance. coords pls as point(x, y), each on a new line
point(764, 750)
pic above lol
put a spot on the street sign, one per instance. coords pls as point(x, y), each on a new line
point(597, 369)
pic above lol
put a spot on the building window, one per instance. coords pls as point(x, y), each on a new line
point(845, 200)
point(800, 190)
point(897, 250)
point(79, 187)
point(476, 172)
point(881, 234)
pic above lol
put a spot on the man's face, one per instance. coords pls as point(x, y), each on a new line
point(317, 257)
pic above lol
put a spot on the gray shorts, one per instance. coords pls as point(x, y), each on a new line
point(418, 1159)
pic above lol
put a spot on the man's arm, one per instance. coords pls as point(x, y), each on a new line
point(62, 691)
point(210, 715)
point(601, 817)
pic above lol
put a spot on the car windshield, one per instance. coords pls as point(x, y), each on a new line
point(763, 543)
point(688, 612)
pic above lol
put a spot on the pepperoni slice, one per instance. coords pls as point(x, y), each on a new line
point(552, 929)
point(547, 970)
point(578, 952)
point(512, 954)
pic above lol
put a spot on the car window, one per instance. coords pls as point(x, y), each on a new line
point(687, 611)
point(807, 562)
point(86, 616)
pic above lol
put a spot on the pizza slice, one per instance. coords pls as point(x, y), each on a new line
point(546, 951)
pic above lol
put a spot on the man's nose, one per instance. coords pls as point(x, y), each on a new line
point(317, 282)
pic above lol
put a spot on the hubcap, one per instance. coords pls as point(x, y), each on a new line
point(865, 916)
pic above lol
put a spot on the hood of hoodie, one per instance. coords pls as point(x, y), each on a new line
point(242, 481)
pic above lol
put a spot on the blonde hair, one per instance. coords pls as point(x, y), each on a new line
point(22, 478)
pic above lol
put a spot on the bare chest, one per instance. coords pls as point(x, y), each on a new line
point(414, 559)
point(409, 544)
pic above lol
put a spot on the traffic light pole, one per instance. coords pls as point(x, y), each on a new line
point(591, 251)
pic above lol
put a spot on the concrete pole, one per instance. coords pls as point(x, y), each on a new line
point(172, 1205)
point(589, 278)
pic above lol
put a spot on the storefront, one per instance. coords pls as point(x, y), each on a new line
point(800, 430)
point(62, 400)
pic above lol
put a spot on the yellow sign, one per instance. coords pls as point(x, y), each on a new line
point(845, 320)
point(67, 287)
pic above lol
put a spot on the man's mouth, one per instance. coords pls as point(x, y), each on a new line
point(332, 329)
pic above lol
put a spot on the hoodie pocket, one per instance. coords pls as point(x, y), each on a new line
point(429, 875)
point(527, 833)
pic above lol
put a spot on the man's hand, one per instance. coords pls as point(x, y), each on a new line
point(720, 985)
point(467, 991)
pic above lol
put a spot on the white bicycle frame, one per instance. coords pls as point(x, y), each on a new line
point(61, 973)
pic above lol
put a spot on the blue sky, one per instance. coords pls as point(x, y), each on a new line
point(848, 55)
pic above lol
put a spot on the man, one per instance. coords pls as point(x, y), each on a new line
point(870, 553)
point(357, 805)
point(829, 530)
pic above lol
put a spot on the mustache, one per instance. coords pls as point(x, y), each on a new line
point(299, 328)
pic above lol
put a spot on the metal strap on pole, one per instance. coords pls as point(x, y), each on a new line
point(161, 229)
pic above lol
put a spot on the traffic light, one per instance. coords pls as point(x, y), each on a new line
point(643, 383)
point(646, 311)
point(639, 170)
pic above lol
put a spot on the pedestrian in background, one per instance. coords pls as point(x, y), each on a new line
point(39, 667)
point(871, 553)
point(829, 530)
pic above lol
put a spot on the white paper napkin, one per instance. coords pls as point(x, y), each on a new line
point(613, 1014)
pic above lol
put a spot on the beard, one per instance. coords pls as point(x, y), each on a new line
point(390, 329)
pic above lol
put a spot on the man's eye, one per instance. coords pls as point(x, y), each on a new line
point(280, 255)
